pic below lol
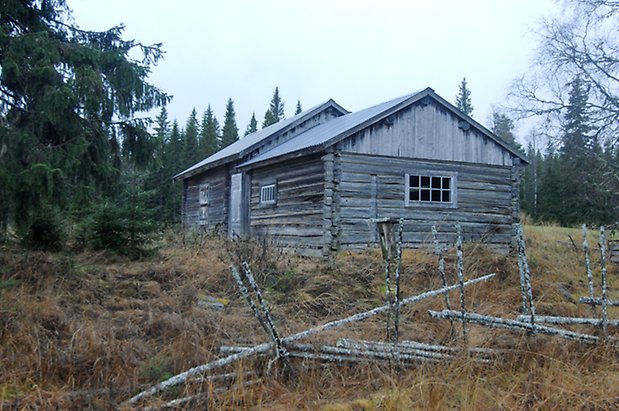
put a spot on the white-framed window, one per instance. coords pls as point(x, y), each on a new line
point(268, 194)
point(203, 196)
point(431, 189)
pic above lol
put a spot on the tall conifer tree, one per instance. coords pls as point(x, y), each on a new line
point(463, 99)
point(275, 113)
point(190, 140)
point(252, 127)
point(298, 109)
point(69, 97)
point(209, 134)
point(230, 131)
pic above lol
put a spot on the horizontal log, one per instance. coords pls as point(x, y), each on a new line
point(598, 301)
point(261, 348)
point(513, 325)
point(567, 320)
point(345, 342)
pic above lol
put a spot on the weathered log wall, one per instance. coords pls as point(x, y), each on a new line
point(296, 219)
point(374, 187)
point(219, 194)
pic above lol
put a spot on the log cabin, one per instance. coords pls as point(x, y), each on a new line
point(315, 182)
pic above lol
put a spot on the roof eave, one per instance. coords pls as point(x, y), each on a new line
point(244, 152)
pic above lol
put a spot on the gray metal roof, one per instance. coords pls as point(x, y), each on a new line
point(329, 133)
point(322, 134)
point(251, 141)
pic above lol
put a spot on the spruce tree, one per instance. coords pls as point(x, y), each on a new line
point(190, 140)
point(159, 178)
point(229, 132)
point(463, 99)
point(174, 158)
point(209, 134)
point(252, 127)
point(503, 127)
point(69, 97)
point(577, 160)
point(275, 113)
point(299, 109)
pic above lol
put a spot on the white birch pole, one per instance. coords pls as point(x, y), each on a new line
point(388, 292)
point(527, 272)
point(598, 301)
point(460, 270)
point(264, 347)
point(280, 350)
point(548, 319)
point(441, 264)
point(523, 287)
point(398, 271)
point(514, 325)
point(250, 301)
point(585, 247)
point(604, 285)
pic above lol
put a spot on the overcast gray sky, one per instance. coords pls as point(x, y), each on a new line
point(359, 53)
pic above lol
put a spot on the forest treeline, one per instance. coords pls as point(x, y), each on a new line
point(78, 162)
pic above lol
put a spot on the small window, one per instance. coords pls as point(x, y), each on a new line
point(268, 194)
point(430, 189)
point(203, 196)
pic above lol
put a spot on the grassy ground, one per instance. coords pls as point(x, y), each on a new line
point(88, 330)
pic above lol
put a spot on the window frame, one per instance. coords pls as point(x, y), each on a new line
point(453, 189)
point(271, 201)
point(203, 203)
point(204, 194)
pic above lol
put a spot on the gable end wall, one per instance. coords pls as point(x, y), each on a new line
point(426, 131)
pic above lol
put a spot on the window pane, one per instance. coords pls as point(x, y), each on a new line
point(267, 193)
point(414, 195)
point(446, 196)
point(425, 181)
point(436, 195)
point(425, 195)
point(446, 182)
point(436, 182)
point(414, 181)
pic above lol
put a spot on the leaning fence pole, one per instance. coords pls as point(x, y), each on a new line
point(441, 264)
point(388, 293)
point(527, 272)
point(523, 287)
point(250, 301)
point(585, 247)
point(259, 349)
point(279, 348)
point(398, 271)
point(604, 284)
point(514, 325)
point(460, 270)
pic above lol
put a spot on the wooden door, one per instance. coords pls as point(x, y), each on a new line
point(235, 225)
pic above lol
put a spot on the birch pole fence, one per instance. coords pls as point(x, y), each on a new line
point(460, 269)
point(604, 284)
point(585, 248)
point(265, 347)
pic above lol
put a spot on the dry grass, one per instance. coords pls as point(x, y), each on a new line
point(70, 323)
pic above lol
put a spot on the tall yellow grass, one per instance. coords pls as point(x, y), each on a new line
point(88, 330)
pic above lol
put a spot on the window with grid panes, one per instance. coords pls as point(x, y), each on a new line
point(429, 189)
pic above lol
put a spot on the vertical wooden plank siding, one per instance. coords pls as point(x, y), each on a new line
point(484, 201)
point(426, 131)
point(296, 220)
